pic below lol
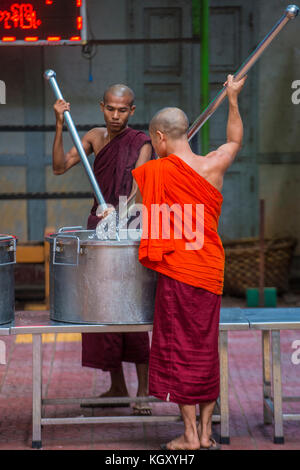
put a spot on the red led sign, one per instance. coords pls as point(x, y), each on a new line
point(20, 15)
point(39, 22)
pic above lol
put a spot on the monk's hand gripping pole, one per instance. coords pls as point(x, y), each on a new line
point(290, 13)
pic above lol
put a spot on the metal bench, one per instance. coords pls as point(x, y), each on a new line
point(37, 324)
point(270, 321)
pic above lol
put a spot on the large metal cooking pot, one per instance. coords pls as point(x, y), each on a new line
point(7, 281)
point(97, 281)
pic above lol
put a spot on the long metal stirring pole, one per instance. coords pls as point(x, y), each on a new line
point(290, 13)
point(50, 76)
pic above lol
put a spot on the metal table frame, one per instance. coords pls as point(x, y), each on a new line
point(5, 329)
point(271, 322)
point(231, 319)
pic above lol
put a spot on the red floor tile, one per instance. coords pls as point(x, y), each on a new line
point(63, 376)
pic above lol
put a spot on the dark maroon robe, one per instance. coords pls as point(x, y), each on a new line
point(184, 357)
point(113, 166)
point(112, 169)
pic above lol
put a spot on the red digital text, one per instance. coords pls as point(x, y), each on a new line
point(20, 16)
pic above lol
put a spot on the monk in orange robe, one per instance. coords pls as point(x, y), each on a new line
point(182, 200)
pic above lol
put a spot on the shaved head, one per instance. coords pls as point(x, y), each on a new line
point(170, 121)
point(120, 91)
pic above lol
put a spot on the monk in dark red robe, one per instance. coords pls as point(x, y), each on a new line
point(182, 200)
point(118, 149)
point(112, 168)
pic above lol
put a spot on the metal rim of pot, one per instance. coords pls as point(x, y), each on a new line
point(10, 243)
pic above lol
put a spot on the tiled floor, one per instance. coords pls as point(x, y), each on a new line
point(63, 376)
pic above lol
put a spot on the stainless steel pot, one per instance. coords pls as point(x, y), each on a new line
point(95, 281)
point(7, 281)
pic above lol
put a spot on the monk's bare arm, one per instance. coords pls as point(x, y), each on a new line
point(61, 161)
point(235, 130)
point(144, 157)
point(225, 154)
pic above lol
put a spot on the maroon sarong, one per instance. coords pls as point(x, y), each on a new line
point(112, 169)
point(107, 351)
point(184, 357)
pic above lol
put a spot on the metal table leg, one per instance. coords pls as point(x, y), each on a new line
point(36, 391)
point(277, 388)
point(266, 367)
point(224, 399)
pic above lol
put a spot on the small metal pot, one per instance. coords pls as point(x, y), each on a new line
point(97, 281)
point(7, 280)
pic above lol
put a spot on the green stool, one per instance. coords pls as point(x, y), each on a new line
point(270, 297)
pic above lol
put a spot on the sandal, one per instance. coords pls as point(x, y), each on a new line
point(164, 447)
point(141, 409)
point(213, 446)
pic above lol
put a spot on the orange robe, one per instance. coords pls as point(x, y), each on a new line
point(170, 181)
point(184, 359)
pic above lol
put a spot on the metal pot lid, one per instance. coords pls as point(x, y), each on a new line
point(4, 238)
point(89, 237)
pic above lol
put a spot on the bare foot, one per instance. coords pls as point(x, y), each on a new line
point(141, 409)
point(209, 444)
point(205, 440)
point(184, 442)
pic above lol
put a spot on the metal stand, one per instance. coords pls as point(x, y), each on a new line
point(224, 398)
point(266, 368)
point(277, 388)
point(37, 400)
point(271, 322)
point(272, 405)
point(36, 391)
point(231, 319)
